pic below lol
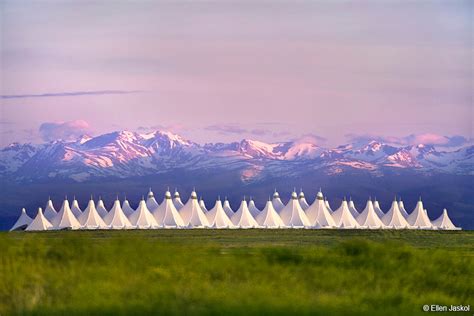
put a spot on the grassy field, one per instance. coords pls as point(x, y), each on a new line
point(211, 272)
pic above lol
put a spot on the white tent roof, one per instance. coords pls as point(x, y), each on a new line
point(368, 218)
point(444, 222)
point(142, 218)
point(166, 215)
point(116, 219)
point(151, 203)
point(318, 213)
point(253, 209)
point(277, 203)
point(49, 211)
point(126, 208)
point(90, 218)
point(377, 209)
point(178, 204)
point(65, 219)
point(394, 218)
point(227, 209)
point(328, 206)
point(353, 209)
point(22, 222)
point(269, 217)
point(242, 218)
point(303, 203)
point(203, 205)
point(101, 208)
point(192, 213)
point(401, 206)
point(293, 215)
point(418, 218)
point(39, 222)
point(75, 209)
point(343, 217)
point(218, 218)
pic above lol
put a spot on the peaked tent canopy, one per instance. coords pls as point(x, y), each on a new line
point(444, 222)
point(343, 217)
point(269, 217)
point(353, 209)
point(418, 218)
point(277, 203)
point(401, 206)
point(90, 218)
point(368, 218)
point(328, 206)
point(303, 203)
point(75, 209)
point(40, 222)
point(192, 213)
point(293, 215)
point(151, 203)
point(218, 218)
point(101, 208)
point(142, 218)
point(195, 214)
point(22, 222)
point(377, 209)
point(65, 219)
point(253, 209)
point(178, 204)
point(166, 215)
point(394, 218)
point(49, 211)
point(203, 205)
point(126, 208)
point(242, 218)
point(116, 219)
point(227, 209)
point(318, 213)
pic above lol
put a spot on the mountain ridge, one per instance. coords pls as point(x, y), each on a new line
point(125, 154)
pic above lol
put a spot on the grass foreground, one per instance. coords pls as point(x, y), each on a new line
point(233, 272)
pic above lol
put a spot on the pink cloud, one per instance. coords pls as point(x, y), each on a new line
point(174, 128)
point(226, 129)
point(69, 130)
point(412, 139)
point(427, 138)
point(310, 139)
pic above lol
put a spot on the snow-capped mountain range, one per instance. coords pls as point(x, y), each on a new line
point(129, 154)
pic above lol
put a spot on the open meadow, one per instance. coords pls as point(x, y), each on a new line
point(233, 272)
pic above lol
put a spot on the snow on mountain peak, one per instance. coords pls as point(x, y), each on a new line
point(13, 145)
point(15, 155)
point(109, 139)
point(373, 146)
point(126, 153)
point(171, 137)
point(256, 148)
point(303, 150)
point(163, 141)
point(127, 135)
point(83, 139)
point(402, 159)
point(422, 150)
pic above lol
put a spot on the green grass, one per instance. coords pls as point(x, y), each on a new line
point(211, 272)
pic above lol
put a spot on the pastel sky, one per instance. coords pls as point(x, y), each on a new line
point(227, 70)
